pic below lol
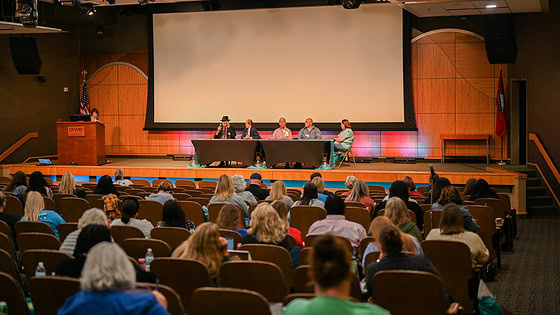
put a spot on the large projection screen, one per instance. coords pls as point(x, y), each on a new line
point(323, 62)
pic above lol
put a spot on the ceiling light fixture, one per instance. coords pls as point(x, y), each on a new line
point(491, 6)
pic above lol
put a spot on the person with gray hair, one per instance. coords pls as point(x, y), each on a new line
point(106, 277)
point(239, 185)
point(119, 178)
point(350, 181)
point(91, 216)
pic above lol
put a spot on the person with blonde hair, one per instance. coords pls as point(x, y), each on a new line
point(163, 193)
point(230, 218)
point(278, 191)
point(320, 183)
point(206, 246)
point(68, 186)
point(349, 183)
point(397, 212)
point(283, 210)
point(35, 211)
point(106, 276)
point(360, 193)
point(119, 178)
point(266, 228)
point(239, 185)
point(91, 216)
point(225, 193)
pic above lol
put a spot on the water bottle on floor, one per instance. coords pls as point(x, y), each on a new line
point(149, 258)
point(40, 271)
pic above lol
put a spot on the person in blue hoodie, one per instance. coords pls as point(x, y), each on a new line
point(108, 287)
point(35, 211)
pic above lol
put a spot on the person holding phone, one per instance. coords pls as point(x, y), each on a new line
point(225, 130)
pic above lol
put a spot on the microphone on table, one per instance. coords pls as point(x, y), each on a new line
point(432, 172)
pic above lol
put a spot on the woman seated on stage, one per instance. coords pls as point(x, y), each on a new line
point(310, 197)
point(38, 183)
point(35, 211)
point(173, 216)
point(68, 186)
point(451, 228)
point(345, 138)
point(397, 212)
point(360, 193)
point(278, 191)
point(240, 185)
point(130, 208)
point(449, 195)
point(282, 209)
point(110, 198)
point(225, 193)
point(18, 185)
point(230, 218)
point(163, 193)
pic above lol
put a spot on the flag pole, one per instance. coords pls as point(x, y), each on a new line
point(501, 151)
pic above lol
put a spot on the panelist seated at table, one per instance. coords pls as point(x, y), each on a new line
point(309, 131)
point(225, 130)
point(345, 138)
point(282, 132)
point(250, 132)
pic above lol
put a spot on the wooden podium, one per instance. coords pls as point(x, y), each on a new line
point(82, 142)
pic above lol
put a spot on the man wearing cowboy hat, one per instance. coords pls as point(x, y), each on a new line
point(225, 131)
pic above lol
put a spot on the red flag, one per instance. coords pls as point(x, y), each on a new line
point(501, 109)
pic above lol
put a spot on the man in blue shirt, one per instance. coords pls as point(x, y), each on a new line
point(309, 131)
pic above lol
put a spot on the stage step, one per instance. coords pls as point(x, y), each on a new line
point(539, 198)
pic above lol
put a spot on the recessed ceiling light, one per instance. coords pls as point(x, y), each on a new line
point(491, 6)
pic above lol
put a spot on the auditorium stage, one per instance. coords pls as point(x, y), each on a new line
point(373, 173)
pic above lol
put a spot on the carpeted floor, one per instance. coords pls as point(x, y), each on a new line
point(529, 281)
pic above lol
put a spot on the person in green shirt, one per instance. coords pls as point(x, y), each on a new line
point(345, 138)
point(332, 276)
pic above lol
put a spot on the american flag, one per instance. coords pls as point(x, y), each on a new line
point(501, 109)
point(84, 101)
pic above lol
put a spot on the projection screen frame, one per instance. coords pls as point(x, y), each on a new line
point(409, 123)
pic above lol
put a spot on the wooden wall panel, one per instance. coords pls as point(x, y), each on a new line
point(105, 98)
point(434, 96)
point(132, 100)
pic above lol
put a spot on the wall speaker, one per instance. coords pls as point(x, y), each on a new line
point(499, 38)
point(25, 55)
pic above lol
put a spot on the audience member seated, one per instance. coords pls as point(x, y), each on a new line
point(360, 193)
point(206, 246)
point(350, 181)
point(469, 186)
point(225, 193)
point(320, 184)
point(250, 132)
point(10, 219)
point(410, 243)
point(282, 132)
point(317, 174)
point(119, 178)
point(266, 227)
point(91, 216)
point(38, 183)
point(397, 212)
point(107, 275)
point(400, 189)
point(449, 195)
point(335, 223)
point(283, 209)
point(309, 197)
point(110, 198)
point(230, 218)
point(255, 187)
point(309, 131)
point(173, 216)
point(392, 257)
point(68, 186)
point(130, 208)
point(239, 186)
point(432, 179)
point(411, 186)
point(35, 211)
point(481, 189)
point(343, 142)
point(438, 186)
point(163, 193)
point(278, 191)
point(18, 185)
point(332, 276)
point(451, 228)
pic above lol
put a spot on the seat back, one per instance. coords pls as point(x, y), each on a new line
point(305, 256)
point(497, 205)
point(6, 230)
point(7, 245)
point(310, 240)
point(71, 209)
point(214, 210)
point(193, 211)
point(302, 217)
point(411, 215)
point(156, 182)
point(507, 201)
point(453, 263)
point(423, 292)
point(304, 284)
point(431, 220)
point(203, 201)
point(185, 183)
point(207, 184)
point(137, 247)
point(364, 244)
point(173, 236)
point(182, 275)
point(150, 210)
point(376, 189)
point(50, 293)
point(484, 216)
point(231, 234)
point(174, 304)
point(13, 206)
point(92, 198)
point(355, 204)
point(27, 241)
point(425, 207)
point(290, 297)
point(370, 258)
point(50, 258)
point(275, 254)
point(260, 276)
point(193, 192)
point(119, 233)
point(49, 204)
point(12, 294)
point(181, 196)
point(33, 227)
point(90, 186)
point(235, 301)
point(66, 228)
point(8, 264)
point(142, 182)
point(358, 215)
